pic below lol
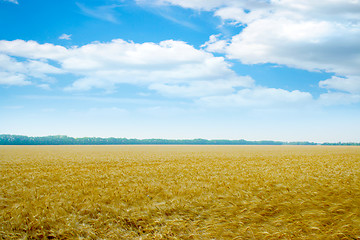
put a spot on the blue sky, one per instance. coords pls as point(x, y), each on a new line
point(251, 69)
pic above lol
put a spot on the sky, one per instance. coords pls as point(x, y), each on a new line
point(285, 70)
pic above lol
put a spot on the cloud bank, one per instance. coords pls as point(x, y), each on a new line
point(315, 36)
point(170, 68)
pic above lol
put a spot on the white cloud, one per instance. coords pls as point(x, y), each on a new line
point(309, 45)
point(104, 65)
point(171, 68)
point(329, 10)
point(215, 44)
point(65, 36)
point(349, 84)
point(33, 50)
point(13, 79)
point(40, 69)
point(17, 73)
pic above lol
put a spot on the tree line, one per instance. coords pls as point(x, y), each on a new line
point(7, 139)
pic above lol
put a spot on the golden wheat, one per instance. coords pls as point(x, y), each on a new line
point(179, 192)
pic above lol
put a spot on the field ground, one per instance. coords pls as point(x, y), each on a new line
point(179, 192)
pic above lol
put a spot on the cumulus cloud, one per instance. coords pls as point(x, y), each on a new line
point(309, 45)
point(103, 65)
point(168, 64)
point(215, 44)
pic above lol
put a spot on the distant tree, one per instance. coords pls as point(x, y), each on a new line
point(7, 139)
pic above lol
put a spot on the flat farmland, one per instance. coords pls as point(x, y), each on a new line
point(179, 192)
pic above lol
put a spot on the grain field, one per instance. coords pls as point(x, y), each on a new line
point(179, 192)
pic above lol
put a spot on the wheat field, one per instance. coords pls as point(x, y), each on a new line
point(179, 192)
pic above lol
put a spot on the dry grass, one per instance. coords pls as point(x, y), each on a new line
point(179, 192)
